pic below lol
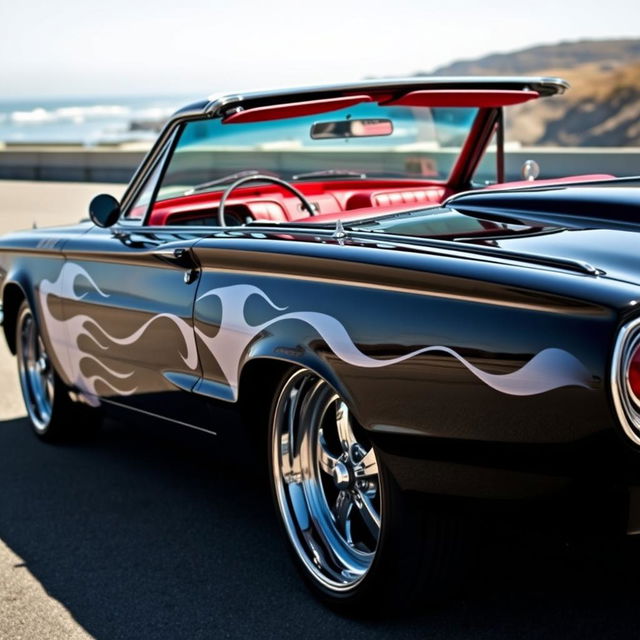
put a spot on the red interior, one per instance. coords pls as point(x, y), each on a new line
point(269, 202)
point(332, 200)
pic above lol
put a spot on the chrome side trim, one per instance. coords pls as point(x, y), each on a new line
point(555, 262)
point(436, 246)
point(627, 410)
point(157, 415)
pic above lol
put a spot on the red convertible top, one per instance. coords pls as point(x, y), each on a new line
point(463, 98)
point(418, 91)
point(482, 98)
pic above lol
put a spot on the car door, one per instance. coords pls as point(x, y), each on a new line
point(127, 306)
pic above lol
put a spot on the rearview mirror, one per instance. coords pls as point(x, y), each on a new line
point(104, 210)
point(352, 129)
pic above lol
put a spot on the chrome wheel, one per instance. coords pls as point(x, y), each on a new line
point(327, 483)
point(37, 377)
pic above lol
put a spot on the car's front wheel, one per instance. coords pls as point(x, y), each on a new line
point(360, 543)
point(52, 414)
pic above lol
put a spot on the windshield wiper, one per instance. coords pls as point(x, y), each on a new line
point(331, 173)
point(203, 186)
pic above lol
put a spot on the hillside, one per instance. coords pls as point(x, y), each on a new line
point(564, 55)
point(602, 108)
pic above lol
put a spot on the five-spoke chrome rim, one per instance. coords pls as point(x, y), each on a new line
point(327, 483)
point(36, 373)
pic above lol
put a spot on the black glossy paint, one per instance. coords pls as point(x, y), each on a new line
point(423, 301)
point(579, 207)
point(496, 315)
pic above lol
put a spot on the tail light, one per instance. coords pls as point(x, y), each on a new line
point(633, 374)
point(625, 379)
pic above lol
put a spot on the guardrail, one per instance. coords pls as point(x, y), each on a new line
point(118, 165)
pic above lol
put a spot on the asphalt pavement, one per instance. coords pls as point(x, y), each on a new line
point(150, 531)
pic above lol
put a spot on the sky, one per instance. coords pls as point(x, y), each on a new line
point(165, 47)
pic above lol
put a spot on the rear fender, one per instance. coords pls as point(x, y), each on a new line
point(23, 282)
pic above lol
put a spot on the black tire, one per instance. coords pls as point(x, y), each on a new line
point(52, 414)
point(345, 564)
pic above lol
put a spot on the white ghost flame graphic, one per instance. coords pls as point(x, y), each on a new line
point(65, 336)
point(549, 369)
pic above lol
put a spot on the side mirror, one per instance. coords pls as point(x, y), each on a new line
point(530, 170)
point(104, 210)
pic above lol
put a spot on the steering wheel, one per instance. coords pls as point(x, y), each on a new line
point(260, 178)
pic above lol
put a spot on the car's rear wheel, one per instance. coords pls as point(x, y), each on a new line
point(359, 542)
point(50, 410)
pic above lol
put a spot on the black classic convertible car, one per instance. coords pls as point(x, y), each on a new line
point(347, 268)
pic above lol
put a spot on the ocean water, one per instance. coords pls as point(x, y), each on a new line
point(88, 120)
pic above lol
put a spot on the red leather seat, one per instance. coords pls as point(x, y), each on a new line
point(414, 196)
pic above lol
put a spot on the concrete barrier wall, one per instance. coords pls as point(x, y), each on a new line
point(69, 165)
point(117, 166)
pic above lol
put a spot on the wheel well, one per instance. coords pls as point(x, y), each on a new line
point(12, 298)
point(258, 382)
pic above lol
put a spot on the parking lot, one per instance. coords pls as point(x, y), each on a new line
point(144, 531)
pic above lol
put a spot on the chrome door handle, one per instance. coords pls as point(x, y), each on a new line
point(181, 257)
point(190, 275)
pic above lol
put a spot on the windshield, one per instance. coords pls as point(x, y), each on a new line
point(361, 141)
